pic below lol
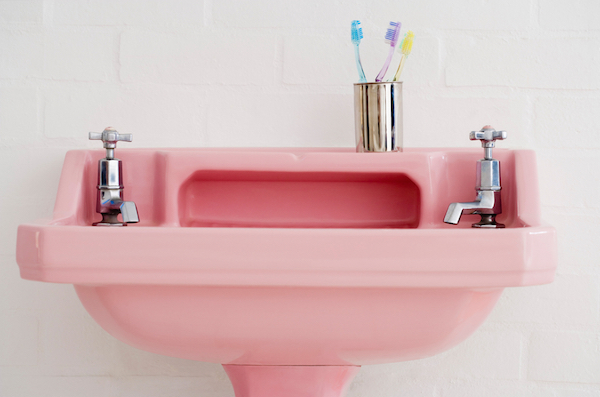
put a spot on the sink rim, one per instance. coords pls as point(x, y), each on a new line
point(431, 255)
point(314, 257)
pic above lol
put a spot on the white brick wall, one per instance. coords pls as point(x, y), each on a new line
point(21, 11)
point(561, 356)
point(557, 62)
point(279, 73)
point(569, 15)
point(80, 54)
point(22, 52)
point(150, 13)
point(212, 57)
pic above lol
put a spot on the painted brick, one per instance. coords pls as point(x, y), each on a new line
point(572, 15)
point(280, 119)
point(511, 14)
point(423, 66)
point(32, 196)
point(85, 106)
point(489, 353)
point(437, 118)
point(389, 380)
point(523, 62)
point(582, 391)
point(494, 389)
point(577, 239)
point(21, 11)
point(558, 186)
point(564, 357)
point(154, 13)
point(40, 185)
point(18, 340)
point(564, 122)
point(19, 121)
point(547, 304)
point(74, 345)
point(28, 209)
point(159, 386)
point(88, 55)
point(156, 115)
point(199, 58)
point(318, 60)
point(50, 386)
point(23, 295)
point(7, 269)
point(281, 14)
point(466, 15)
point(492, 352)
point(136, 362)
point(329, 60)
point(22, 53)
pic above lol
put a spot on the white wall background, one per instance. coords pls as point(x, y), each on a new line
point(280, 73)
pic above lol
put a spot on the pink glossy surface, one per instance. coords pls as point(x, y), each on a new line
point(289, 325)
point(313, 381)
point(291, 256)
point(299, 200)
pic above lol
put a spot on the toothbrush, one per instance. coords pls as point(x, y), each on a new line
point(357, 34)
point(405, 48)
point(391, 37)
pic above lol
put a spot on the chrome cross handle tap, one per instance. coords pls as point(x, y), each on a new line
point(488, 202)
point(109, 202)
point(488, 136)
point(110, 137)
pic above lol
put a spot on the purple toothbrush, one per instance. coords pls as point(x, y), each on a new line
point(391, 36)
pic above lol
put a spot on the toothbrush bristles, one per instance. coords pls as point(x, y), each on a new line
point(356, 31)
point(407, 43)
point(392, 33)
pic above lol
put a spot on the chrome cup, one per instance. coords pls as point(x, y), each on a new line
point(378, 116)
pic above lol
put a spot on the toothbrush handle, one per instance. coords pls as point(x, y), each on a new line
point(385, 67)
point(400, 67)
point(361, 73)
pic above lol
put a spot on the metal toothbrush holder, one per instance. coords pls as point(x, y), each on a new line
point(378, 116)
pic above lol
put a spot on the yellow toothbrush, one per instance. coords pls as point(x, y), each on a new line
point(405, 49)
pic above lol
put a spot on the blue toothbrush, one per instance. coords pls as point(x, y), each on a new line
point(357, 35)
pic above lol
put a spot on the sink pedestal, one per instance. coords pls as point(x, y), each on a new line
point(290, 380)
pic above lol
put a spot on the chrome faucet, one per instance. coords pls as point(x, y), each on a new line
point(109, 201)
point(488, 203)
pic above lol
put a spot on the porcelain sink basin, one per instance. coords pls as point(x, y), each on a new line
point(291, 259)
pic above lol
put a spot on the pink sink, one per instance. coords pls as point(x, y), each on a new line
point(292, 267)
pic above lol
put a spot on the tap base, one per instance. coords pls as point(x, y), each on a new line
point(488, 221)
point(109, 220)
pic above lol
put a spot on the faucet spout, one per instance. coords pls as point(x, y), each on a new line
point(487, 203)
point(129, 212)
